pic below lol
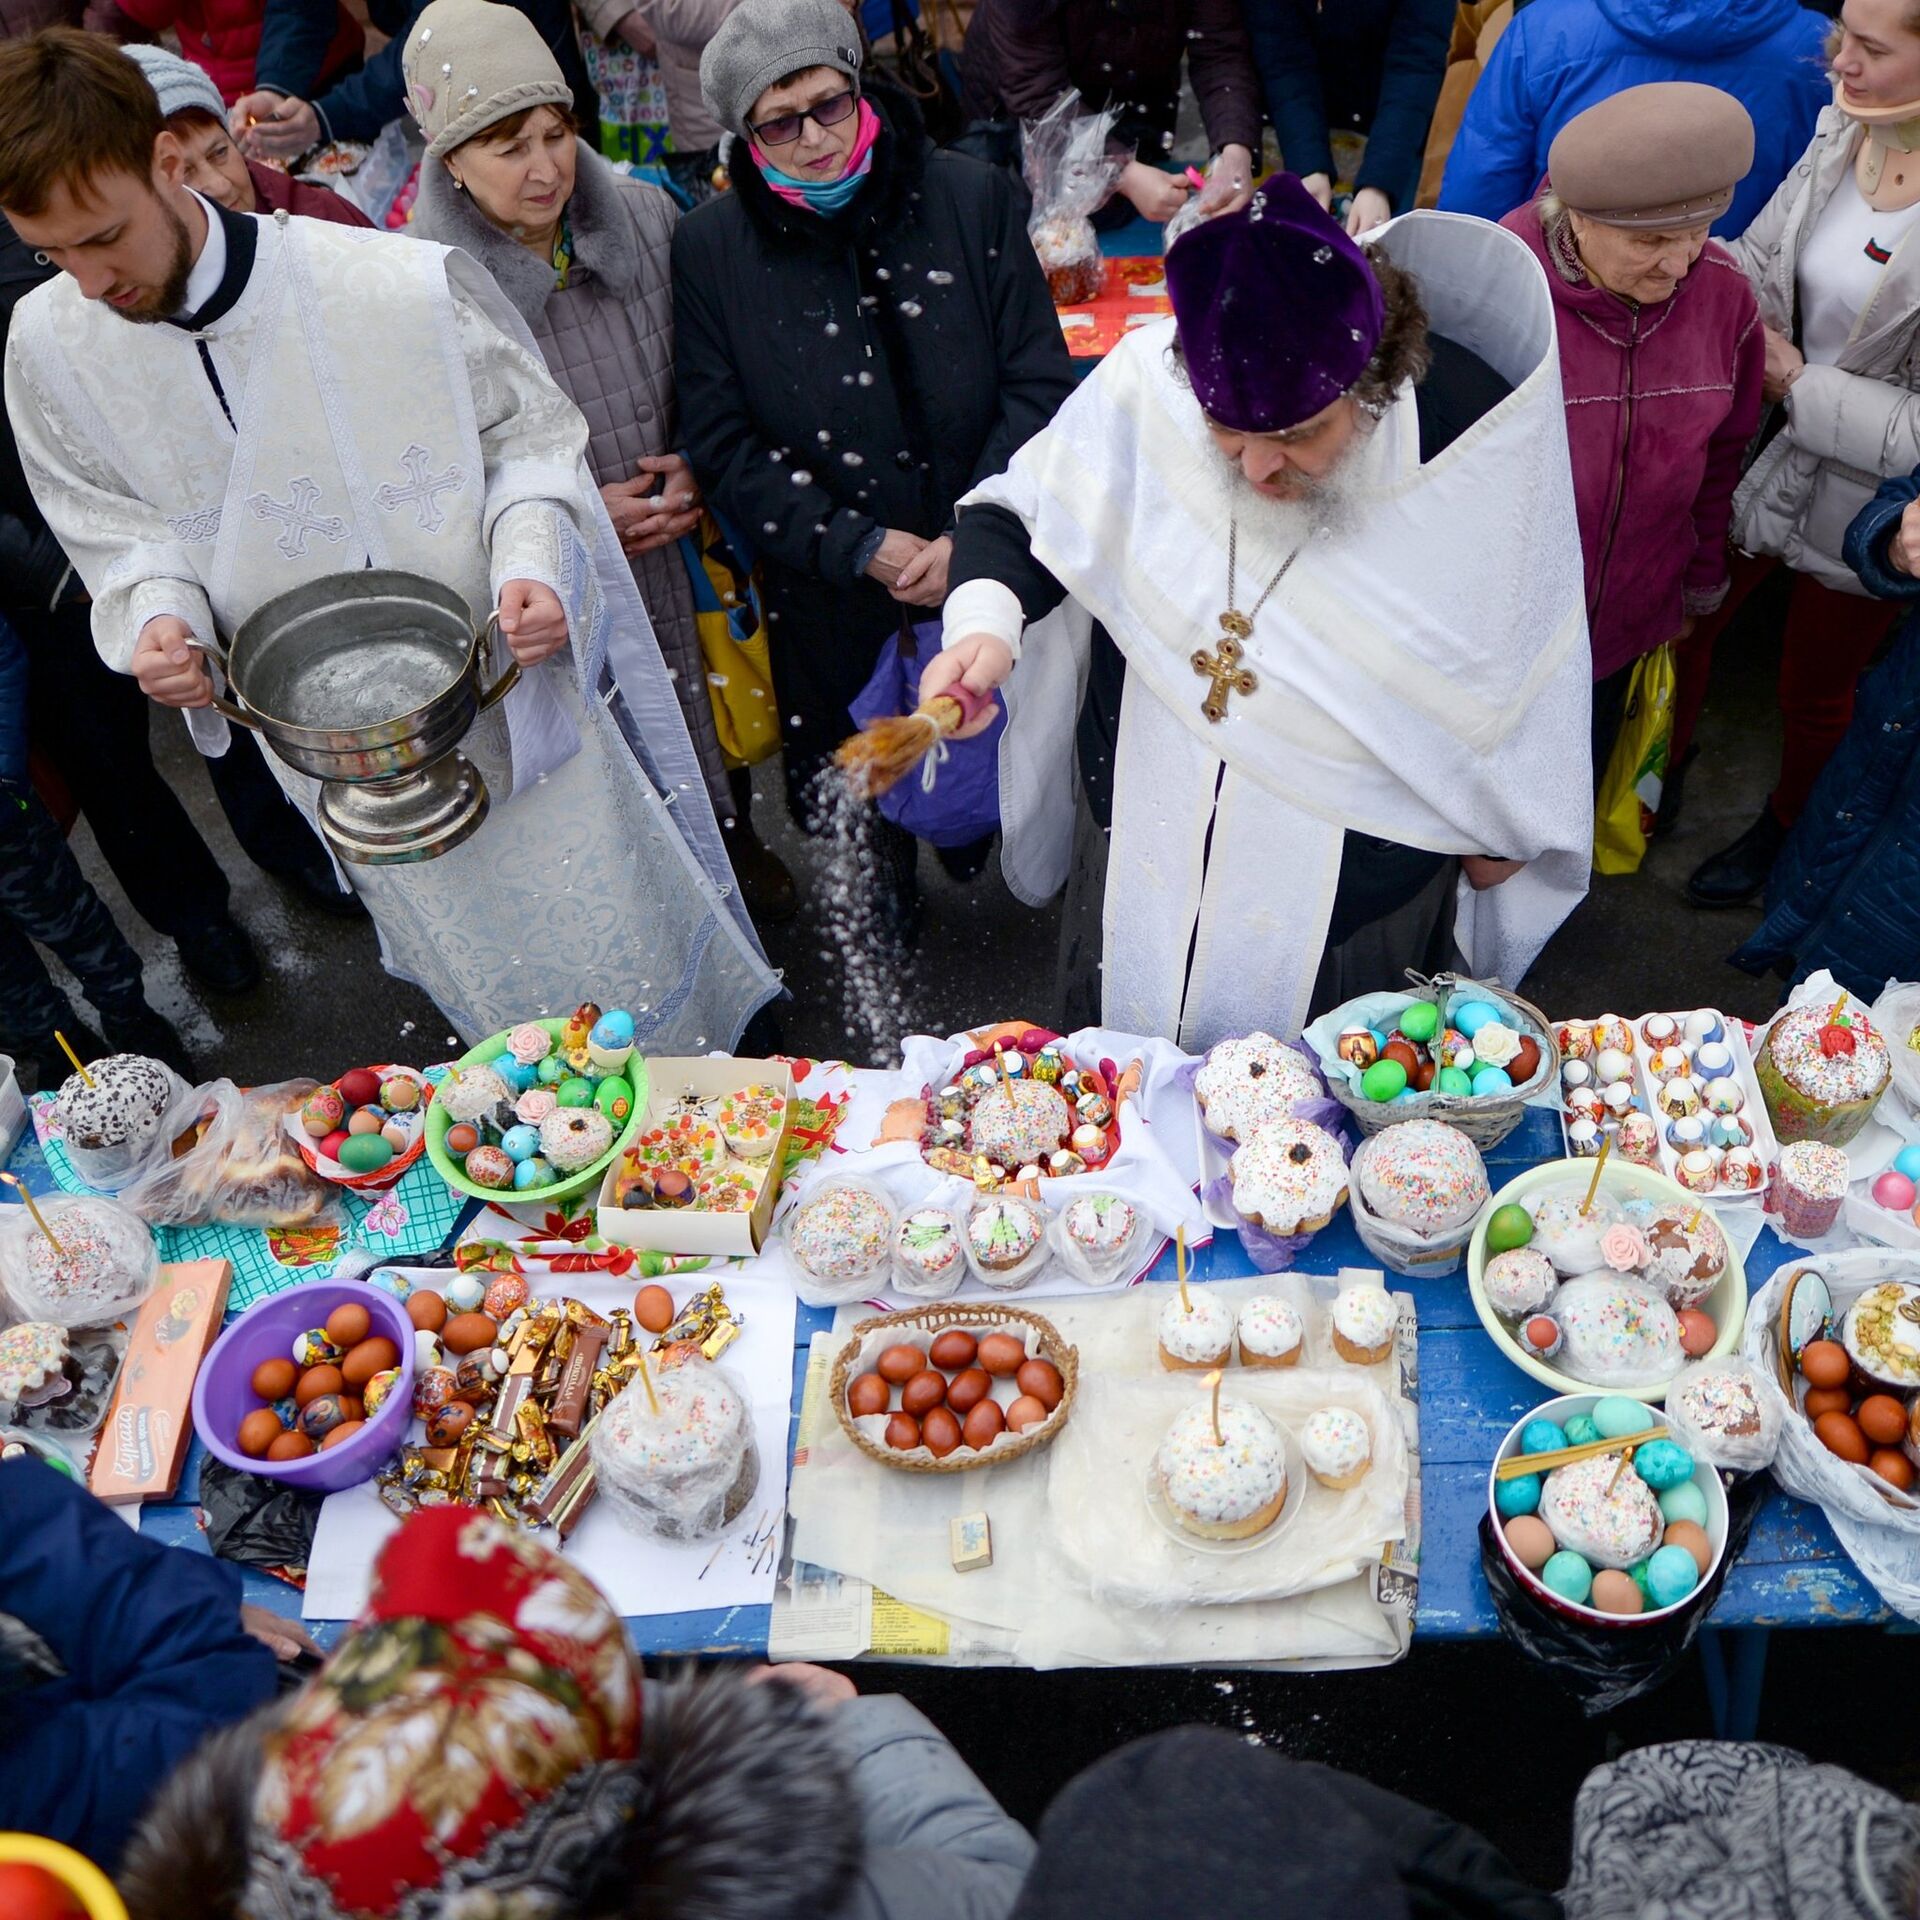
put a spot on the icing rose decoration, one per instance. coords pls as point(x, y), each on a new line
point(1624, 1248)
point(1496, 1045)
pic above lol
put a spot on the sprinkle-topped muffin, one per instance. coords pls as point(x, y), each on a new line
point(1337, 1447)
point(1197, 1334)
point(1363, 1320)
point(1270, 1332)
point(1246, 1082)
point(841, 1232)
point(1422, 1175)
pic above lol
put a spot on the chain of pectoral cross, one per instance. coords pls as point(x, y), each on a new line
point(1222, 666)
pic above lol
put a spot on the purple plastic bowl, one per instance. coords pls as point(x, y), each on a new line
point(223, 1393)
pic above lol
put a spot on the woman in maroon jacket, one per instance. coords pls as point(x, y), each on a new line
point(1661, 356)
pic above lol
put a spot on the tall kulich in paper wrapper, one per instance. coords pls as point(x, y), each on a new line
point(683, 1472)
point(1822, 1073)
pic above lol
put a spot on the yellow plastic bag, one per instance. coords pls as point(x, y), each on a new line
point(1629, 797)
point(733, 643)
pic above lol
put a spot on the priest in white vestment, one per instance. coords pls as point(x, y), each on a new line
point(213, 408)
point(1326, 516)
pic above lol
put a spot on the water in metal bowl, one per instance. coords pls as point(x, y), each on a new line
point(363, 678)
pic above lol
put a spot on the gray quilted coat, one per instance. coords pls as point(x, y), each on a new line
point(608, 341)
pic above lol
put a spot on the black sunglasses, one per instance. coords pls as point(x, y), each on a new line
point(784, 129)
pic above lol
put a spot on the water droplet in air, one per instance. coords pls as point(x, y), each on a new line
point(1321, 255)
point(882, 273)
point(852, 459)
point(833, 329)
point(937, 277)
point(866, 379)
point(912, 309)
point(801, 477)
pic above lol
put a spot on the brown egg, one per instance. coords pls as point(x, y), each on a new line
point(291, 1445)
point(968, 1389)
point(1041, 1378)
point(462, 1138)
point(941, 1432)
point(903, 1432)
point(343, 1432)
point(925, 1390)
point(984, 1424)
point(653, 1308)
point(1839, 1433)
point(1894, 1468)
point(316, 1381)
point(427, 1309)
point(353, 1406)
point(1533, 1545)
point(1882, 1419)
point(1025, 1412)
point(1827, 1400)
point(1691, 1535)
point(1525, 1062)
point(900, 1364)
point(953, 1349)
point(467, 1331)
point(1825, 1363)
point(274, 1379)
point(1401, 1049)
point(368, 1358)
point(347, 1326)
point(258, 1431)
point(1002, 1353)
point(1616, 1592)
point(868, 1394)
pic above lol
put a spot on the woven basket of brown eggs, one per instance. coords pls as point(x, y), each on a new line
point(950, 1388)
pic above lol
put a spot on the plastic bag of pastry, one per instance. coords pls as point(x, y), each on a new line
point(112, 1118)
point(929, 1253)
point(1720, 1411)
point(677, 1462)
point(1007, 1241)
point(840, 1237)
point(1071, 165)
point(1098, 1236)
point(241, 1170)
point(93, 1263)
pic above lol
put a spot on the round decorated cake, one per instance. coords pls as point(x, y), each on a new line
point(470, 1093)
point(111, 1121)
point(1618, 1332)
point(841, 1233)
point(1337, 1447)
point(1225, 1489)
point(1881, 1332)
point(1270, 1332)
point(1289, 1177)
point(1421, 1175)
point(1821, 1072)
point(1519, 1281)
point(1100, 1226)
point(928, 1254)
point(1609, 1518)
point(1019, 1124)
point(1713, 1407)
point(1245, 1083)
point(686, 1471)
point(31, 1353)
point(105, 1264)
point(1567, 1236)
point(573, 1138)
point(1002, 1231)
point(1196, 1334)
point(1687, 1255)
point(1363, 1319)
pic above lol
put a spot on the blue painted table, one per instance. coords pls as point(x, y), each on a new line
point(1793, 1572)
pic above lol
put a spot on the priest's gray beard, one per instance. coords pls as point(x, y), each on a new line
point(1335, 503)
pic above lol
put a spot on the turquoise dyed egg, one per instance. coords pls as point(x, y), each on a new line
point(1617, 1417)
point(1581, 1431)
point(1542, 1436)
point(1569, 1576)
point(1685, 1502)
point(1492, 1080)
point(533, 1173)
point(1671, 1575)
point(520, 1143)
point(1520, 1495)
point(518, 1074)
point(1907, 1161)
point(1384, 1080)
point(1663, 1464)
point(1474, 1015)
point(574, 1092)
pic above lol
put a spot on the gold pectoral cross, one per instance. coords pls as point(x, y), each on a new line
point(1223, 666)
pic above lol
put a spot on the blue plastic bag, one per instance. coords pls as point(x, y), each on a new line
point(962, 803)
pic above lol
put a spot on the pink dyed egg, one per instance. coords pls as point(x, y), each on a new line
point(1894, 1191)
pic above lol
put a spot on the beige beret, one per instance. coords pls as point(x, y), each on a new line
point(1665, 155)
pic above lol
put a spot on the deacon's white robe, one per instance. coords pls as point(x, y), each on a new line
point(388, 409)
point(1423, 669)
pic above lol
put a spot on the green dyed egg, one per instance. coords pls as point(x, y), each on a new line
point(1420, 1022)
point(1638, 1574)
point(1617, 1417)
point(1384, 1080)
point(551, 1070)
point(1581, 1431)
point(1509, 1227)
point(1452, 1080)
point(614, 1098)
point(574, 1092)
point(1569, 1576)
point(1685, 1502)
point(365, 1153)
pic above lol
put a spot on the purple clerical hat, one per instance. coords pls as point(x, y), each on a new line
point(1278, 310)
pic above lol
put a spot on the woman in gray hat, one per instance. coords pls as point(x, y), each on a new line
point(582, 253)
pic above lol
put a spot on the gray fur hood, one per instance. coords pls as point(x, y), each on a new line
point(605, 215)
point(745, 1810)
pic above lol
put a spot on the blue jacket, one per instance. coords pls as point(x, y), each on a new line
point(155, 1660)
point(1560, 57)
point(1845, 892)
point(13, 707)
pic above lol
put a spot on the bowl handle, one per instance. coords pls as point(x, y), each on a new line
point(508, 680)
point(228, 709)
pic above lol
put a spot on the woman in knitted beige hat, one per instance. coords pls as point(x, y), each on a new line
point(581, 251)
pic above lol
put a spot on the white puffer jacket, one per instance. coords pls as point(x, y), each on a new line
point(1849, 426)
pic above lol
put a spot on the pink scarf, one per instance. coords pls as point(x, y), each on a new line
point(826, 196)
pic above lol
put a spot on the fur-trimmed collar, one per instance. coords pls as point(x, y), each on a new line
point(745, 1812)
point(603, 238)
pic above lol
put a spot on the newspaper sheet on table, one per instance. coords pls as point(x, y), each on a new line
point(639, 1576)
point(856, 1522)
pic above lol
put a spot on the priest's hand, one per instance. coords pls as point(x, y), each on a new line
point(1903, 550)
point(272, 126)
point(980, 663)
point(922, 582)
point(533, 620)
point(1370, 208)
point(1483, 871)
point(168, 669)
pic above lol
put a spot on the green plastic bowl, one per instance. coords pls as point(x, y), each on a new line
point(450, 1170)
